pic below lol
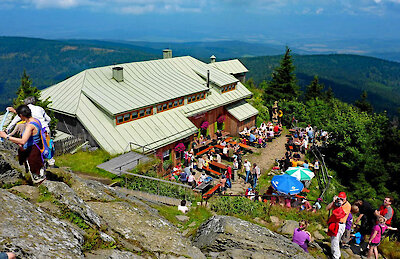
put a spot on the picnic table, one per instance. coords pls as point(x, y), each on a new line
point(219, 147)
point(218, 165)
point(204, 151)
point(211, 171)
point(244, 146)
point(201, 145)
point(211, 191)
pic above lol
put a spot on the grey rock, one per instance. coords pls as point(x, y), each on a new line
point(235, 238)
point(29, 191)
point(32, 233)
point(106, 238)
point(64, 194)
point(137, 225)
point(317, 235)
point(182, 218)
point(288, 227)
point(90, 190)
point(8, 175)
point(275, 220)
point(111, 254)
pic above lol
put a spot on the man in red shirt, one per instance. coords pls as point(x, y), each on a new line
point(386, 210)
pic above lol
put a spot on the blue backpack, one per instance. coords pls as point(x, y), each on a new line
point(228, 183)
point(47, 150)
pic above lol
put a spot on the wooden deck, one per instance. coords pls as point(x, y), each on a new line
point(124, 162)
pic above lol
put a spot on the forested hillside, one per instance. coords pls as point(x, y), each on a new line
point(48, 62)
point(347, 75)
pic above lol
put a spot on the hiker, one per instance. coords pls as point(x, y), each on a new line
point(247, 169)
point(222, 182)
point(38, 113)
point(366, 216)
point(256, 172)
point(336, 222)
point(183, 208)
point(7, 255)
point(301, 236)
point(386, 210)
point(376, 236)
point(192, 180)
point(30, 144)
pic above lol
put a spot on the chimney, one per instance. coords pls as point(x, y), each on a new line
point(167, 53)
point(208, 79)
point(118, 73)
point(212, 59)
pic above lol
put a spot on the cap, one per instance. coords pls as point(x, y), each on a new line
point(342, 195)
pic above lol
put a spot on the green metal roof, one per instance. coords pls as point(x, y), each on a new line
point(233, 66)
point(154, 131)
point(94, 97)
point(145, 83)
point(242, 110)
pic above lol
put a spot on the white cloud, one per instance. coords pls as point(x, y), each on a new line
point(319, 10)
point(135, 9)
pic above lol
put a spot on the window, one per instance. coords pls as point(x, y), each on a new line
point(159, 108)
point(175, 103)
point(120, 119)
point(148, 111)
point(166, 155)
point(127, 117)
point(197, 97)
point(181, 101)
point(202, 95)
point(228, 88)
point(141, 113)
point(134, 115)
point(164, 107)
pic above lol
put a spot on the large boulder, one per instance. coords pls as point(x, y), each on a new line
point(8, 174)
point(111, 254)
point(150, 233)
point(288, 227)
point(65, 195)
point(229, 237)
point(32, 233)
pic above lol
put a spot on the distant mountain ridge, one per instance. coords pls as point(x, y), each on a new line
point(51, 61)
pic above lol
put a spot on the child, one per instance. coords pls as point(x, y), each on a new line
point(301, 236)
point(376, 237)
point(183, 208)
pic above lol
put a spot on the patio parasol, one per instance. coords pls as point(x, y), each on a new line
point(301, 173)
point(286, 184)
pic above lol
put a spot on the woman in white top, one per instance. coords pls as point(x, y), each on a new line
point(182, 208)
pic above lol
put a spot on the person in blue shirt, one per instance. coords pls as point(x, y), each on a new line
point(252, 138)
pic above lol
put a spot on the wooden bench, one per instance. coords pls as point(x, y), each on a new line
point(212, 171)
point(227, 140)
point(211, 191)
point(244, 146)
point(219, 165)
point(204, 151)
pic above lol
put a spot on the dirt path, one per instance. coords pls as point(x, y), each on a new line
point(264, 158)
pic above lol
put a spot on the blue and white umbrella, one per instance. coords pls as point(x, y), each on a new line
point(286, 184)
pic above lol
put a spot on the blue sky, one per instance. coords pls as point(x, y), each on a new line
point(274, 21)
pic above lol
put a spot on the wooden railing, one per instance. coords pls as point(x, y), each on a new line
point(67, 144)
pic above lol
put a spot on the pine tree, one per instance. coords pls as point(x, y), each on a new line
point(314, 90)
point(25, 90)
point(283, 85)
point(363, 104)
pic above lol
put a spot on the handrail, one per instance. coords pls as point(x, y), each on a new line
point(154, 179)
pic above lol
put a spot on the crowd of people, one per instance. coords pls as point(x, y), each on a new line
point(343, 228)
point(261, 135)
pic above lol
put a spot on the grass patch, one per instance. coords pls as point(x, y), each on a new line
point(390, 249)
point(11, 185)
point(45, 195)
point(197, 214)
point(86, 162)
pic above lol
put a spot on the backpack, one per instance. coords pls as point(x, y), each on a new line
point(228, 183)
point(47, 150)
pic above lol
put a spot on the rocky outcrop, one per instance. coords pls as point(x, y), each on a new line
point(288, 227)
point(31, 233)
point(8, 175)
point(65, 195)
point(229, 237)
point(148, 232)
